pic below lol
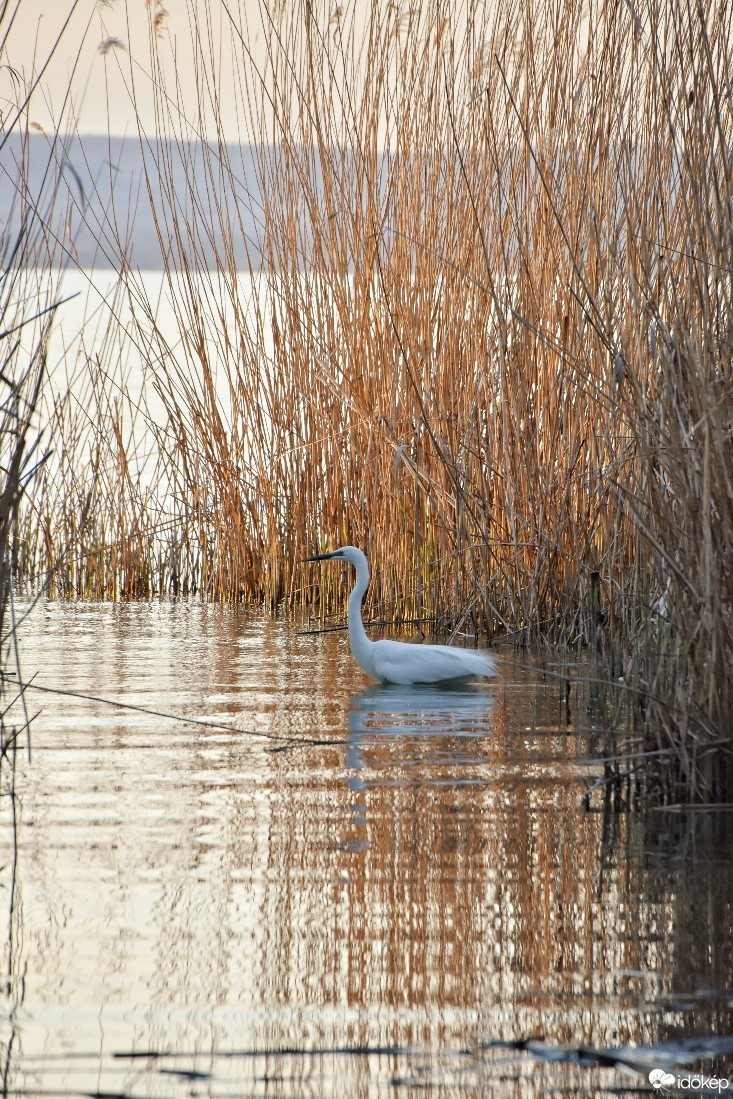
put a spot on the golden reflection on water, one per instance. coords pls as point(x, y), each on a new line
point(203, 911)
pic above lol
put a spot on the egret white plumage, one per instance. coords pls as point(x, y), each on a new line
point(399, 661)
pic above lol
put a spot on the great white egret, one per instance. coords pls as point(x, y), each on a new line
point(398, 661)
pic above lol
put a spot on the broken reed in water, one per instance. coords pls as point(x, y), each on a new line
point(489, 341)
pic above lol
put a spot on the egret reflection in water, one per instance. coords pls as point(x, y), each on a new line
point(442, 718)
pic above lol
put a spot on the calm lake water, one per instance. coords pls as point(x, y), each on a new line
point(327, 888)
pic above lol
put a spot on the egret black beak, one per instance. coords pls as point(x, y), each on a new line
point(319, 557)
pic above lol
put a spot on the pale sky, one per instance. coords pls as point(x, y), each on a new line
point(104, 82)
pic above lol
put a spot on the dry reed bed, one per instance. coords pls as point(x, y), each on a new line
point(490, 341)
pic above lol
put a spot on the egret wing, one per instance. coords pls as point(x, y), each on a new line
point(398, 662)
point(472, 661)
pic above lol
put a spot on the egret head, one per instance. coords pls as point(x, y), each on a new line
point(345, 553)
point(356, 558)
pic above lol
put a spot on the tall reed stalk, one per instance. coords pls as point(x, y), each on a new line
point(31, 259)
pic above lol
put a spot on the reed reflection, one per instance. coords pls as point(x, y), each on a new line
point(423, 876)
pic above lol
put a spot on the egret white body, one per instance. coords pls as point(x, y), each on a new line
point(398, 661)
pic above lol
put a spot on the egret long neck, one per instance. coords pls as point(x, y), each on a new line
point(358, 640)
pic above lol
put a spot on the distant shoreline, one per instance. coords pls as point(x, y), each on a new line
point(93, 197)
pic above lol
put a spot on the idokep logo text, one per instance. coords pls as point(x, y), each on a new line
point(659, 1079)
